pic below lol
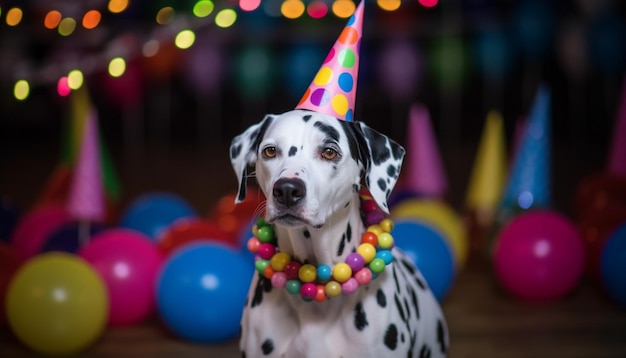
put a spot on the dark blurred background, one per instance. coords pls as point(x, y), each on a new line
point(176, 107)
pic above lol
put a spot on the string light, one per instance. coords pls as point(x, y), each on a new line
point(203, 8)
point(117, 67)
point(343, 8)
point(225, 18)
point(317, 9)
point(117, 6)
point(428, 3)
point(249, 5)
point(21, 90)
point(165, 15)
point(52, 19)
point(63, 89)
point(75, 79)
point(292, 9)
point(91, 19)
point(14, 16)
point(185, 39)
point(389, 5)
point(67, 26)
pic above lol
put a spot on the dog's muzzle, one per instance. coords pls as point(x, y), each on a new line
point(288, 192)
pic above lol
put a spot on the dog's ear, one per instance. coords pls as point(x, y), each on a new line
point(243, 152)
point(382, 162)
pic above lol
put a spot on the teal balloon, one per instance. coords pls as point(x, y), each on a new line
point(493, 54)
point(254, 70)
point(449, 62)
point(300, 64)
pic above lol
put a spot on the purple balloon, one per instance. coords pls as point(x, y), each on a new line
point(400, 69)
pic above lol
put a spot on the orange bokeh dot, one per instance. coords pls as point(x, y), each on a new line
point(91, 19)
point(52, 19)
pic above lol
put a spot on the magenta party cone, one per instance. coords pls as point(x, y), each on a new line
point(333, 90)
point(423, 167)
point(86, 196)
point(617, 155)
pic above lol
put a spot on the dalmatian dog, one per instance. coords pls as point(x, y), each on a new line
point(311, 166)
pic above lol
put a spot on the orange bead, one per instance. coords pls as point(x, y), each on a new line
point(268, 272)
point(369, 238)
point(320, 295)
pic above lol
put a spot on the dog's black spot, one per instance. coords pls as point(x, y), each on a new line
point(407, 309)
point(399, 308)
point(342, 245)
point(425, 352)
point(391, 171)
point(355, 188)
point(306, 117)
point(263, 285)
point(382, 184)
point(242, 185)
point(349, 232)
point(347, 204)
point(408, 266)
point(379, 146)
point(360, 318)
point(395, 279)
point(381, 298)
point(329, 131)
point(267, 347)
point(441, 336)
point(292, 151)
point(414, 302)
point(402, 339)
point(391, 337)
point(235, 150)
point(306, 234)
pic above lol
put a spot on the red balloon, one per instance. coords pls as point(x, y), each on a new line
point(9, 263)
point(596, 228)
point(184, 231)
point(232, 218)
point(601, 191)
point(128, 262)
point(35, 227)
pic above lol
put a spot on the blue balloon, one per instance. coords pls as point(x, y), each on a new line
point(613, 269)
point(152, 214)
point(201, 291)
point(66, 238)
point(429, 251)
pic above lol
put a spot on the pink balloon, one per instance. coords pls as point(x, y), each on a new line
point(128, 262)
point(539, 256)
point(35, 227)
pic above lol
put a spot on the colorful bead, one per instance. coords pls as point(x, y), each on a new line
point(261, 264)
point(253, 245)
point(386, 255)
point(350, 286)
point(367, 251)
point(369, 205)
point(376, 229)
point(291, 269)
point(369, 237)
point(279, 279)
point(320, 295)
point(333, 289)
point(377, 265)
point(324, 272)
point(293, 286)
point(266, 251)
point(307, 273)
point(255, 230)
point(386, 224)
point(385, 240)
point(308, 291)
point(260, 222)
point(279, 261)
point(268, 272)
point(342, 272)
point(265, 234)
point(355, 261)
point(363, 276)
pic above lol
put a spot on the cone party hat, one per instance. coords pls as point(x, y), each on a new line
point(86, 195)
point(425, 175)
point(617, 155)
point(333, 90)
point(529, 181)
point(489, 172)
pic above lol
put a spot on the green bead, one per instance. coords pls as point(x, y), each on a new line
point(261, 264)
point(260, 222)
point(265, 234)
point(293, 287)
point(377, 265)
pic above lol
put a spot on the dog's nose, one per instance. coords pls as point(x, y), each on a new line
point(289, 191)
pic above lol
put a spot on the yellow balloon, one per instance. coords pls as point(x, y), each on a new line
point(441, 217)
point(57, 304)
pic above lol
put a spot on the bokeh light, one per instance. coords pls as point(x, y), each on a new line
point(428, 3)
point(14, 16)
point(389, 5)
point(21, 90)
point(317, 9)
point(150, 48)
point(272, 7)
point(63, 89)
point(225, 18)
point(165, 15)
point(67, 26)
point(249, 5)
point(75, 79)
point(185, 39)
point(343, 8)
point(292, 9)
point(117, 67)
point(52, 19)
point(91, 19)
point(117, 6)
point(203, 8)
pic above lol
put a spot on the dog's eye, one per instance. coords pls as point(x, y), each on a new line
point(269, 152)
point(329, 153)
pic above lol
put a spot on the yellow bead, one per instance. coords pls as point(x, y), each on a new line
point(376, 229)
point(385, 240)
point(342, 272)
point(368, 251)
point(307, 273)
point(255, 230)
point(279, 261)
point(387, 225)
point(333, 289)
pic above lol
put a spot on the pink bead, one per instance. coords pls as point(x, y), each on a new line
point(266, 251)
point(350, 286)
point(363, 276)
point(279, 279)
point(253, 245)
point(308, 291)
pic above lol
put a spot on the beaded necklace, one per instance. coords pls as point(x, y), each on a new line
point(322, 282)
